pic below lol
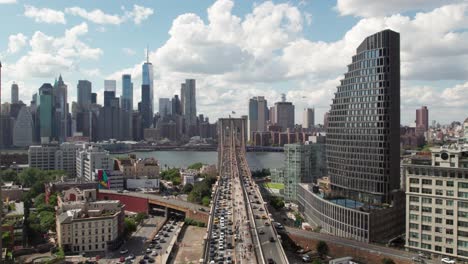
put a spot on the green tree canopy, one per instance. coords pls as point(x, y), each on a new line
point(187, 188)
point(388, 261)
point(322, 248)
point(196, 166)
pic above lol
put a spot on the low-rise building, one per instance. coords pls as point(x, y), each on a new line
point(87, 225)
point(13, 221)
point(148, 167)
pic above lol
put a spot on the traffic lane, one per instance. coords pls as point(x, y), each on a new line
point(270, 249)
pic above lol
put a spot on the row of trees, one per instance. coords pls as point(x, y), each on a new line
point(42, 219)
point(200, 192)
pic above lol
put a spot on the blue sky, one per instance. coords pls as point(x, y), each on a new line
point(237, 49)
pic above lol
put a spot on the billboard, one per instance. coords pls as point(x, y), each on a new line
point(142, 183)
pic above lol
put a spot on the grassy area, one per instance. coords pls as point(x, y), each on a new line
point(272, 185)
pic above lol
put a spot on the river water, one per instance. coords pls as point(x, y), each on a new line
point(256, 160)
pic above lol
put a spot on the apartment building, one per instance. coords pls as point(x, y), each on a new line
point(437, 202)
point(87, 225)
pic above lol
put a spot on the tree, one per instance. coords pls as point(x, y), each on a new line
point(388, 261)
point(195, 166)
point(322, 248)
point(140, 217)
point(6, 238)
point(129, 226)
point(206, 200)
point(187, 188)
point(317, 261)
point(277, 202)
point(8, 175)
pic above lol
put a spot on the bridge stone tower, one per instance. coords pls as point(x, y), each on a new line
point(227, 126)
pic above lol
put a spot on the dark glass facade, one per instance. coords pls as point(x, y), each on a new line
point(363, 124)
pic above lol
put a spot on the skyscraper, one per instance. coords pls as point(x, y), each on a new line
point(325, 119)
point(258, 114)
point(165, 107)
point(84, 93)
point(363, 150)
point(422, 118)
point(284, 115)
point(308, 118)
point(126, 101)
point(144, 107)
point(46, 98)
point(148, 77)
point(176, 106)
point(127, 92)
point(60, 111)
point(110, 87)
point(14, 93)
point(361, 199)
point(23, 128)
point(188, 102)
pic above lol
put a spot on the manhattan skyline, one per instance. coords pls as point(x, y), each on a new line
point(236, 50)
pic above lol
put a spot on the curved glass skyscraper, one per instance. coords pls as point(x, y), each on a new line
point(363, 125)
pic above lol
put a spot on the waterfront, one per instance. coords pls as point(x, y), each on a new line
point(256, 160)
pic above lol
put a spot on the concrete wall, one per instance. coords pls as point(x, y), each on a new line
point(198, 216)
point(337, 251)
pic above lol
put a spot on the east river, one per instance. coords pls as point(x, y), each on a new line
point(256, 160)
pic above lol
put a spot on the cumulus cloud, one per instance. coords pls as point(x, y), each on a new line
point(371, 8)
point(44, 15)
point(49, 55)
point(96, 16)
point(265, 53)
point(138, 14)
point(16, 42)
point(7, 2)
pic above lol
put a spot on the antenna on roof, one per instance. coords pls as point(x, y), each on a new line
point(147, 53)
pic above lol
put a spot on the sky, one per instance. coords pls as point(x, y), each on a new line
point(237, 49)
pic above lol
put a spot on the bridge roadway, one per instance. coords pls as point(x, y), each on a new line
point(237, 198)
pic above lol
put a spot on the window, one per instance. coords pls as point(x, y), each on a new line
point(425, 246)
point(449, 212)
point(414, 235)
point(438, 239)
point(463, 204)
point(426, 182)
point(449, 221)
point(414, 226)
point(414, 180)
point(426, 218)
point(449, 250)
point(449, 202)
point(438, 248)
point(462, 243)
point(426, 191)
point(438, 201)
point(427, 209)
point(427, 200)
point(426, 237)
point(462, 214)
point(463, 194)
point(413, 217)
point(414, 199)
point(426, 227)
point(463, 185)
point(439, 192)
point(449, 193)
point(439, 182)
point(414, 189)
point(449, 183)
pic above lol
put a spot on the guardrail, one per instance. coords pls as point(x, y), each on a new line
point(210, 224)
point(283, 254)
point(253, 225)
